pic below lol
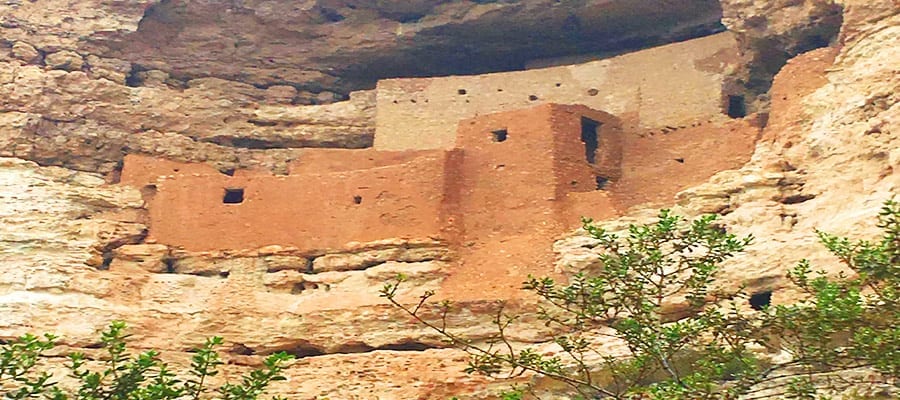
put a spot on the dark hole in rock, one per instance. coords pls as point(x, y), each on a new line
point(115, 176)
point(590, 139)
point(261, 123)
point(170, 265)
point(332, 15)
point(133, 79)
point(241, 350)
point(304, 350)
point(406, 346)
point(357, 199)
point(601, 182)
point(224, 274)
point(736, 106)
point(248, 143)
point(461, 91)
point(558, 84)
point(107, 260)
point(593, 92)
point(680, 160)
point(532, 97)
point(409, 18)
point(499, 135)
point(761, 300)
point(233, 196)
point(797, 198)
point(353, 347)
point(303, 286)
point(227, 171)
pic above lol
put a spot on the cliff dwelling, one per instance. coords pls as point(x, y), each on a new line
point(511, 176)
point(474, 165)
point(261, 170)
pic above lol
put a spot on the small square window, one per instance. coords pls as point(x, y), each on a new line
point(233, 196)
point(499, 135)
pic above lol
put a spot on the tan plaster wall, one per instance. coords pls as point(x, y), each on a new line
point(675, 85)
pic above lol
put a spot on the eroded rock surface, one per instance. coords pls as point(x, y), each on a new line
point(83, 83)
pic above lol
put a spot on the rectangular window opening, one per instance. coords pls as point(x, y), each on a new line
point(233, 196)
point(589, 132)
point(736, 107)
point(499, 135)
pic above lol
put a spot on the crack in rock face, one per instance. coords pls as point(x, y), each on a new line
point(340, 46)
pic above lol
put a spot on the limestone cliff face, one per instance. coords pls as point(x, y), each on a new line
point(84, 83)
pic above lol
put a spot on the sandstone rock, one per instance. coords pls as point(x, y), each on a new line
point(149, 257)
point(65, 60)
point(771, 32)
point(279, 263)
point(107, 68)
point(90, 124)
point(832, 135)
point(26, 52)
point(366, 259)
point(280, 94)
point(425, 39)
point(153, 78)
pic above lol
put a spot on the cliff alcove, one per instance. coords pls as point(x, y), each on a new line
point(259, 169)
point(256, 42)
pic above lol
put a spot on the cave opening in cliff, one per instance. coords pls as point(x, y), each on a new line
point(589, 129)
point(761, 300)
point(233, 196)
point(499, 135)
point(737, 108)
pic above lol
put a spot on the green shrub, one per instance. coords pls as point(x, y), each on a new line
point(124, 376)
point(709, 347)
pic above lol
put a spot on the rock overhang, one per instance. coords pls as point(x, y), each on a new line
point(343, 45)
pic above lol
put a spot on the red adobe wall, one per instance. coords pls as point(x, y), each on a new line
point(309, 211)
point(510, 186)
point(316, 160)
point(527, 189)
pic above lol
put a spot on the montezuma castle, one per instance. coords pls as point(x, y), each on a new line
point(485, 165)
point(260, 170)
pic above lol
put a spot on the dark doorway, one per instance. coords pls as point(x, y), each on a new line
point(589, 129)
point(233, 196)
point(736, 107)
point(499, 135)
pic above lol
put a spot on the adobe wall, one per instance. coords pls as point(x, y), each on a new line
point(655, 167)
point(676, 84)
point(508, 187)
point(309, 211)
point(318, 160)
